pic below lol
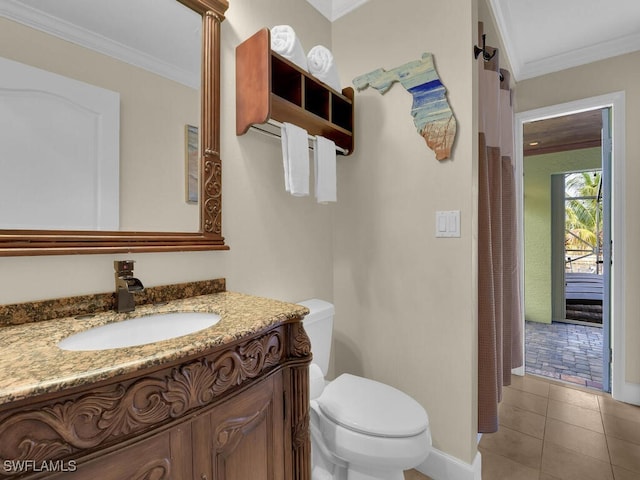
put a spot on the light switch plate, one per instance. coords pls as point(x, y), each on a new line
point(448, 223)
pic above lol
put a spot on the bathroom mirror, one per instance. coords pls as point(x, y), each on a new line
point(205, 233)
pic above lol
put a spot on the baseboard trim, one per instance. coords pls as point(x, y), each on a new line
point(626, 392)
point(442, 466)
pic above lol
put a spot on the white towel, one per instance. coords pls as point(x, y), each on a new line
point(285, 42)
point(322, 66)
point(324, 159)
point(295, 158)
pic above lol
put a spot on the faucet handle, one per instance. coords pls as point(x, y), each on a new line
point(123, 267)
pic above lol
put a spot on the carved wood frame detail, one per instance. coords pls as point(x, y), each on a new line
point(298, 379)
point(121, 410)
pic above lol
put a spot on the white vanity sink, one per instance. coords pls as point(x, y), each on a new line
point(140, 331)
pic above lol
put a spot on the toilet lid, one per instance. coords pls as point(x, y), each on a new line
point(372, 408)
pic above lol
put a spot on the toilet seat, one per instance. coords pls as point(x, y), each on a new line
point(360, 450)
point(372, 408)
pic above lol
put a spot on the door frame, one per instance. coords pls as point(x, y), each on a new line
point(620, 389)
point(558, 257)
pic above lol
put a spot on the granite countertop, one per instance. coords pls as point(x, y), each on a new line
point(32, 364)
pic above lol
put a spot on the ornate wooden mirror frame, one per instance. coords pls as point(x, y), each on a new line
point(64, 242)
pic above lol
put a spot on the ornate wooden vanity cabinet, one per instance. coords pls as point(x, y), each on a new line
point(239, 411)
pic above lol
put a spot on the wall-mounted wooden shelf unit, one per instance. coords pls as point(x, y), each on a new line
point(270, 87)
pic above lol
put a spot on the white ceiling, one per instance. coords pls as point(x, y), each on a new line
point(334, 9)
point(544, 36)
point(540, 36)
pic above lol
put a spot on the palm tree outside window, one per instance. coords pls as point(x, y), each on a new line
point(583, 222)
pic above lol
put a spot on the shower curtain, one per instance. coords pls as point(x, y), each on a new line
point(499, 299)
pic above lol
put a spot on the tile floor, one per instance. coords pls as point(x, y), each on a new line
point(556, 431)
point(564, 351)
point(415, 475)
point(553, 431)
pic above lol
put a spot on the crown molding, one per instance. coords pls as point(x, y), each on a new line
point(580, 56)
point(523, 70)
point(334, 9)
point(342, 7)
point(507, 41)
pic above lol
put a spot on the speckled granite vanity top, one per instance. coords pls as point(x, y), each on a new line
point(31, 363)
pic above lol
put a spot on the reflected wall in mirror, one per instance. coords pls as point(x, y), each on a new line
point(162, 58)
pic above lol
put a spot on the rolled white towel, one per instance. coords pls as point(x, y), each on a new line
point(285, 42)
point(322, 66)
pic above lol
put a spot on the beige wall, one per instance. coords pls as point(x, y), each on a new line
point(405, 300)
point(616, 74)
point(537, 223)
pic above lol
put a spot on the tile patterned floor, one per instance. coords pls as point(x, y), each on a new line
point(415, 475)
point(552, 431)
point(564, 351)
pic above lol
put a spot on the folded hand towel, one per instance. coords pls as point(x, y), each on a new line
point(322, 66)
point(295, 157)
point(285, 42)
point(324, 157)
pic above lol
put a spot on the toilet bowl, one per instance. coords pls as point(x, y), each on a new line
point(360, 429)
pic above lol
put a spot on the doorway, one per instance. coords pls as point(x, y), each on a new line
point(613, 104)
point(563, 248)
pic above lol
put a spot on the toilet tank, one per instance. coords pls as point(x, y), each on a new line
point(319, 327)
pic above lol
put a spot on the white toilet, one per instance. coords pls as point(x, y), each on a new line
point(360, 429)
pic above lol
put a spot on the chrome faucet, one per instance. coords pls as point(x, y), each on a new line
point(126, 285)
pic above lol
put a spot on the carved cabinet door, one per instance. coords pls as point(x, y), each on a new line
point(243, 438)
point(164, 456)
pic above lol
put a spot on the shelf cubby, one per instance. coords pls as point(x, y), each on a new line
point(270, 87)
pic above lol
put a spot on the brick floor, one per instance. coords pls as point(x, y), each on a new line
point(564, 351)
